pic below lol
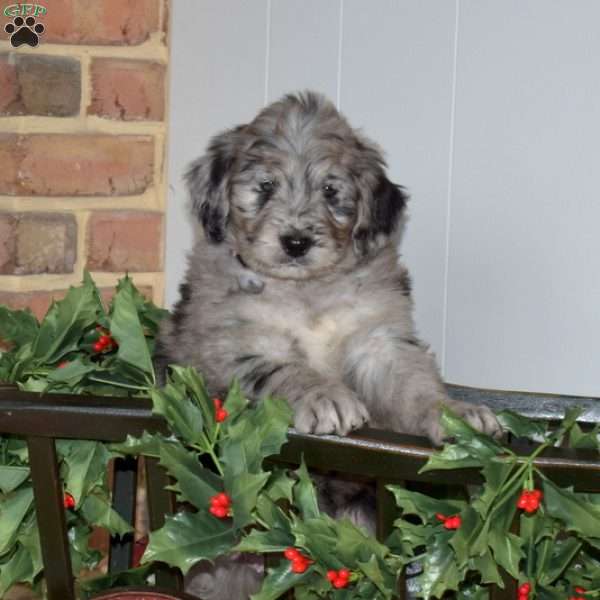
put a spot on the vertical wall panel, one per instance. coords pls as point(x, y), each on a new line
point(304, 36)
point(218, 55)
point(524, 284)
point(396, 82)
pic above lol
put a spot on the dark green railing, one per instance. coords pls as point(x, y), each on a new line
point(383, 457)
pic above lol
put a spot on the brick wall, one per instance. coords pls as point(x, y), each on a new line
point(82, 150)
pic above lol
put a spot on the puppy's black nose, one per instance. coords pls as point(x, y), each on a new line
point(296, 245)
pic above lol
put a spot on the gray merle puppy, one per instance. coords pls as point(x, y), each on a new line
point(296, 289)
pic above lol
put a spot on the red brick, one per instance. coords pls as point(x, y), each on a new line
point(39, 301)
point(37, 243)
point(101, 22)
point(8, 243)
point(75, 165)
point(125, 241)
point(128, 89)
point(39, 85)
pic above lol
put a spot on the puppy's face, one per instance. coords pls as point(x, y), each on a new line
point(296, 192)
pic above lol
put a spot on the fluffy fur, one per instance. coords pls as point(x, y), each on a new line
point(295, 288)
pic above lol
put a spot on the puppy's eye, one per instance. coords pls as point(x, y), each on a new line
point(267, 186)
point(329, 191)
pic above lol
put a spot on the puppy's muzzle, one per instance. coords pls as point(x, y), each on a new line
point(296, 245)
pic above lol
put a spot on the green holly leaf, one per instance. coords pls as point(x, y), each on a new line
point(82, 556)
point(244, 490)
point(29, 538)
point(148, 444)
point(507, 549)
point(195, 483)
point(279, 580)
point(452, 456)
point(64, 324)
point(183, 417)
point(126, 328)
point(496, 473)
point(18, 568)
point(273, 540)
point(562, 554)
point(577, 514)
point(414, 503)
point(188, 537)
point(318, 536)
point(522, 427)
point(11, 477)
point(441, 572)
point(96, 510)
point(488, 569)
point(17, 327)
point(581, 439)
point(470, 539)
point(87, 464)
point(354, 544)
point(305, 495)
point(280, 485)
point(71, 374)
point(473, 591)
point(479, 445)
point(13, 509)
point(272, 514)
point(377, 572)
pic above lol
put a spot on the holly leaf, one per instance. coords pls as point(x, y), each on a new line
point(486, 566)
point(563, 553)
point(187, 538)
point(452, 456)
point(87, 463)
point(496, 474)
point(577, 514)
point(18, 327)
point(376, 571)
point(581, 439)
point(97, 511)
point(13, 509)
point(195, 483)
point(130, 578)
point(148, 444)
point(414, 503)
point(272, 514)
point(279, 580)
point(244, 490)
point(520, 426)
point(305, 495)
point(11, 477)
point(280, 485)
point(183, 417)
point(479, 445)
point(17, 569)
point(470, 539)
point(441, 572)
point(126, 329)
point(64, 324)
point(261, 542)
point(71, 374)
point(507, 549)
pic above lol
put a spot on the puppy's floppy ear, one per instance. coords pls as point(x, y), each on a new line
point(207, 181)
point(381, 209)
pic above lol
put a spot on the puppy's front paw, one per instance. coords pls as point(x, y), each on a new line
point(331, 409)
point(480, 418)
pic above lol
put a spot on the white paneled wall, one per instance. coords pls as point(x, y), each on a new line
point(489, 113)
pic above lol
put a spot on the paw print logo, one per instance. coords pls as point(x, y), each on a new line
point(24, 31)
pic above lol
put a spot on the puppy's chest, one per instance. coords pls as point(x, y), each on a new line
point(318, 324)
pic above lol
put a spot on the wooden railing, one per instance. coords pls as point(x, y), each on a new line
point(383, 457)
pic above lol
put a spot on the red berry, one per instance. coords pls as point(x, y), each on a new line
point(524, 589)
point(580, 590)
point(299, 564)
point(98, 347)
point(339, 582)
point(218, 403)
point(440, 517)
point(105, 340)
point(332, 575)
point(68, 501)
point(221, 415)
point(453, 522)
point(62, 364)
point(219, 511)
point(344, 573)
point(291, 553)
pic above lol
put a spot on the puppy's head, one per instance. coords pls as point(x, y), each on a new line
point(297, 191)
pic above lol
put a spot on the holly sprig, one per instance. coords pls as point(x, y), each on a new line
point(517, 522)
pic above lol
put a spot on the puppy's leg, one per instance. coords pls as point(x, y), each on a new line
point(401, 386)
point(320, 405)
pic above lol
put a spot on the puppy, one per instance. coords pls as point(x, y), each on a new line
point(295, 286)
